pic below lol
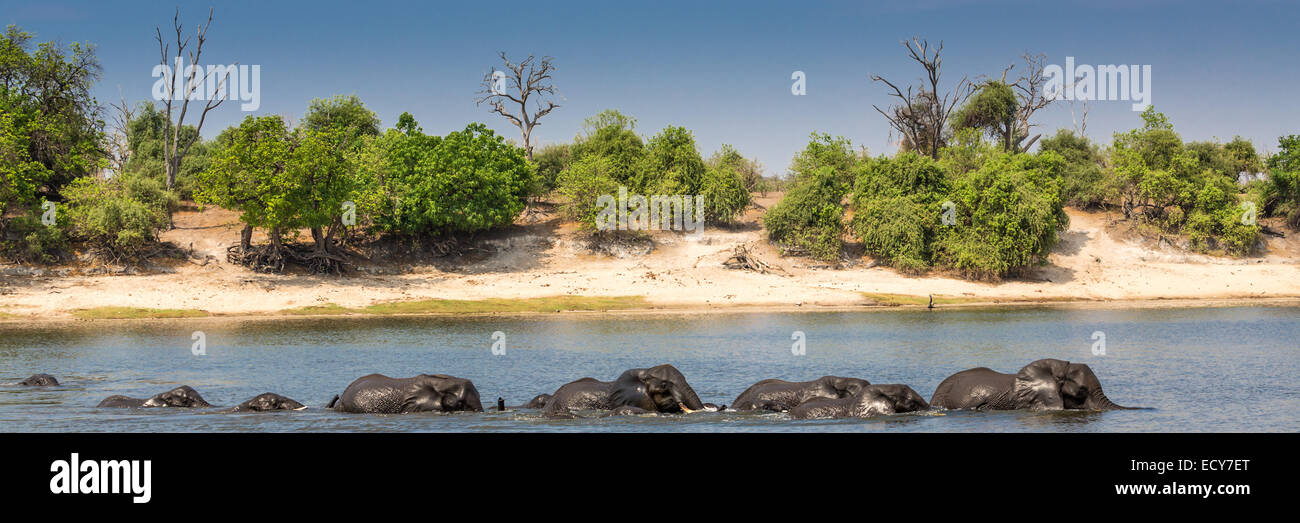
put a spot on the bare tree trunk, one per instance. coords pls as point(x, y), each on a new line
point(173, 152)
point(246, 238)
point(526, 79)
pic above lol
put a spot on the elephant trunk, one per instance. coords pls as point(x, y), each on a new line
point(688, 400)
point(1099, 401)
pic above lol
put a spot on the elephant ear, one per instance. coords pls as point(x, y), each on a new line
point(1037, 385)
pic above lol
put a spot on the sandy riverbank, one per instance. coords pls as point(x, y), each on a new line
point(544, 259)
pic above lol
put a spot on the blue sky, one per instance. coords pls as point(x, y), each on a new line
point(721, 69)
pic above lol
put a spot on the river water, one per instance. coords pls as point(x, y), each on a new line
point(1194, 369)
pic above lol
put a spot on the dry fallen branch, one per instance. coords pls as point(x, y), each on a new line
point(741, 258)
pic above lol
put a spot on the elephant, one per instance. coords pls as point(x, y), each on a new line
point(538, 402)
point(657, 389)
point(780, 396)
point(873, 400)
point(182, 396)
point(1046, 384)
point(267, 402)
point(379, 394)
point(39, 380)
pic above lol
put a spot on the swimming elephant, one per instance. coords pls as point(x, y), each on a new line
point(267, 402)
point(538, 402)
point(657, 389)
point(381, 394)
point(873, 400)
point(1042, 385)
point(182, 396)
point(39, 380)
point(780, 396)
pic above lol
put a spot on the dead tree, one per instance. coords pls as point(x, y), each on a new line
point(1031, 96)
point(922, 114)
point(527, 79)
point(173, 150)
point(119, 137)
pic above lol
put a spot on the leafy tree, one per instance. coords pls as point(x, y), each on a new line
point(121, 216)
point(1164, 183)
point(824, 151)
point(671, 165)
point(1083, 180)
point(725, 195)
point(46, 93)
point(1243, 156)
point(897, 204)
point(20, 175)
point(1281, 192)
point(551, 161)
point(320, 177)
point(1007, 214)
point(344, 113)
point(611, 135)
point(751, 171)
point(810, 216)
point(249, 175)
point(582, 184)
point(467, 181)
point(992, 109)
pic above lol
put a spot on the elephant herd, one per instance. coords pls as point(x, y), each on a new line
point(1046, 384)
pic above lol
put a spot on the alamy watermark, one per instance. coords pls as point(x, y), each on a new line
point(1099, 83)
point(215, 82)
point(638, 212)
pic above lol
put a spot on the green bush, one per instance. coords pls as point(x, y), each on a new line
point(1280, 193)
point(146, 140)
point(810, 216)
point(671, 164)
point(122, 215)
point(551, 160)
point(825, 151)
point(725, 196)
point(751, 171)
point(896, 209)
point(581, 184)
point(1083, 180)
point(611, 135)
point(467, 181)
point(1008, 213)
point(29, 240)
point(1181, 189)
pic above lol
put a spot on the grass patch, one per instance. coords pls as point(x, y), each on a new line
point(118, 313)
point(894, 300)
point(311, 310)
point(502, 305)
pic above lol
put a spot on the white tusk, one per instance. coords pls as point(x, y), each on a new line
point(304, 407)
point(684, 408)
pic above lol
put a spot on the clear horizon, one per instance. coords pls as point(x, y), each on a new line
point(722, 70)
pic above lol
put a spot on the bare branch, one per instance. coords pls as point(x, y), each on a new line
point(527, 79)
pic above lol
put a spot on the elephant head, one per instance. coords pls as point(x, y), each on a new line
point(182, 396)
point(39, 380)
point(662, 388)
point(269, 401)
point(845, 387)
point(440, 392)
point(1060, 385)
point(898, 398)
